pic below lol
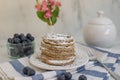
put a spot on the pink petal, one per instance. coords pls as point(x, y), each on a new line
point(44, 8)
point(48, 14)
point(38, 7)
point(44, 3)
point(57, 3)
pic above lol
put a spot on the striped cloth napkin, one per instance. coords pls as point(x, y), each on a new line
point(12, 70)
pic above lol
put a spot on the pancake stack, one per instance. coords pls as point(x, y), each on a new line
point(57, 49)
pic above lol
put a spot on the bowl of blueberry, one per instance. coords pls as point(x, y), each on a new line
point(20, 45)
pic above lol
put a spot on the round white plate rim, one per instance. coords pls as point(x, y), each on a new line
point(83, 55)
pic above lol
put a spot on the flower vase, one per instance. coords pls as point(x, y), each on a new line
point(51, 29)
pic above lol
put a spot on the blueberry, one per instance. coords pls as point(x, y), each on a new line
point(25, 43)
point(21, 35)
point(28, 40)
point(13, 52)
point(28, 71)
point(28, 35)
point(16, 40)
point(10, 40)
point(82, 77)
point(26, 51)
point(19, 45)
point(21, 52)
point(23, 38)
point(61, 77)
point(32, 38)
point(16, 35)
point(68, 76)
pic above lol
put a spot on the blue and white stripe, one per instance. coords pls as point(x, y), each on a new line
point(93, 70)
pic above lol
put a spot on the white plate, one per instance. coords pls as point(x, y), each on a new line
point(81, 59)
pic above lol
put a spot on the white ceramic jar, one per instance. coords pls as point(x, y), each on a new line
point(100, 31)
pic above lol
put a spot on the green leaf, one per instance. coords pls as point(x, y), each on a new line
point(53, 20)
point(56, 12)
point(41, 16)
point(48, 22)
point(36, 0)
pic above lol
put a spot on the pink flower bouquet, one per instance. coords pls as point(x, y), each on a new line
point(48, 10)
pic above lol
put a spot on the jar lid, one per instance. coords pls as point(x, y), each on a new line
point(100, 19)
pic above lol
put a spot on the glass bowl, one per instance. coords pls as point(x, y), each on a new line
point(21, 49)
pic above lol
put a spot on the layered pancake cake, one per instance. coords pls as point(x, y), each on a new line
point(57, 49)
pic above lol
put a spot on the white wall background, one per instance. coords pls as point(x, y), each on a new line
point(19, 16)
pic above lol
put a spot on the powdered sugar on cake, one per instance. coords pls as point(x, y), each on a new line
point(58, 37)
